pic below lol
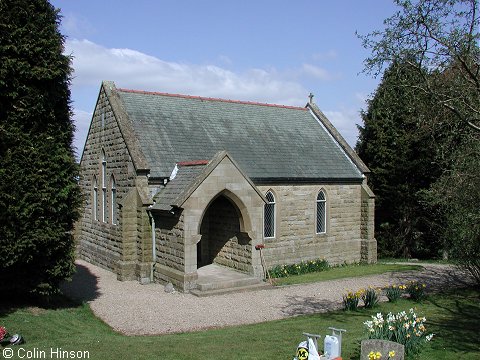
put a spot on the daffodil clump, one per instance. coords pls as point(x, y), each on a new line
point(416, 290)
point(394, 292)
point(377, 355)
point(351, 300)
point(304, 267)
point(370, 297)
point(406, 328)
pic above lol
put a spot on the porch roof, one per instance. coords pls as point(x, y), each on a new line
point(189, 175)
point(171, 195)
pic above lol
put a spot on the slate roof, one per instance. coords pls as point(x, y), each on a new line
point(267, 141)
point(170, 195)
point(188, 177)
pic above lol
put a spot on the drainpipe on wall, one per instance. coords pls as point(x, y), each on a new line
point(154, 248)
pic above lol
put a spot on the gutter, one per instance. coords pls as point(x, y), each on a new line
point(305, 181)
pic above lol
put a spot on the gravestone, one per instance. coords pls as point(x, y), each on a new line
point(383, 347)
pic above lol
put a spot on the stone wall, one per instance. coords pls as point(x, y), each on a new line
point(369, 244)
point(100, 242)
point(170, 250)
point(295, 233)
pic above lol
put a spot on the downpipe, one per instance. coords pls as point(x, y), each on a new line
point(154, 248)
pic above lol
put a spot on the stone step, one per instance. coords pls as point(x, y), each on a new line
point(226, 284)
point(228, 290)
point(214, 279)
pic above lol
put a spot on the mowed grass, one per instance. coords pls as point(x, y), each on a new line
point(342, 272)
point(453, 317)
point(426, 261)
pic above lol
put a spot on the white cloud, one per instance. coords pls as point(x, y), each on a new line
point(225, 60)
point(316, 72)
point(327, 55)
point(93, 63)
point(76, 25)
point(82, 123)
point(362, 98)
point(345, 122)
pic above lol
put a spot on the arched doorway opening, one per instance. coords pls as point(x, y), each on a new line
point(222, 241)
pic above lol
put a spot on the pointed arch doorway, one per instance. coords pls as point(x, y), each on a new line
point(223, 239)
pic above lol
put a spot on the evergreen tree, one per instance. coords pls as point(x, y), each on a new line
point(439, 41)
point(399, 151)
point(457, 194)
point(39, 195)
point(438, 35)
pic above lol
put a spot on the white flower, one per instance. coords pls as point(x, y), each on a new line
point(429, 337)
point(390, 317)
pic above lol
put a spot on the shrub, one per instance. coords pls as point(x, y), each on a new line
point(394, 292)
point(370, 297)
point(351, 299)
point(415, 290)
point(405, 328)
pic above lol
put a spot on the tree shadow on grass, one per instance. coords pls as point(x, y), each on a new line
point(437, 277)
point(459, 323)
point(82, 288)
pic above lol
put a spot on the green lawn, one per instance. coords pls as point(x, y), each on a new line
point(346, 272)
point(454, 318)
point(426, 261)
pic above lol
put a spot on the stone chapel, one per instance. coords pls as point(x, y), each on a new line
point(176, 182)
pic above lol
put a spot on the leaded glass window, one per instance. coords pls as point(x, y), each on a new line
point(113, 199)
point(95, 199)
point(269, 216)
point(104, 187)
point(321, 213)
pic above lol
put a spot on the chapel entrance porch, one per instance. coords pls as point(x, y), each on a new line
point(222, 242)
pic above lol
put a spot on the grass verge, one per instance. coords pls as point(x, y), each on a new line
point(426, 261)
point(346, 272)
point(454, 318)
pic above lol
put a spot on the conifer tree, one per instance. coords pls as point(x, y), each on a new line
point(39, 195)
point(397, 146)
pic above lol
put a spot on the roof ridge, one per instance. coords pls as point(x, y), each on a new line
point(212, 99)
point(193, 163)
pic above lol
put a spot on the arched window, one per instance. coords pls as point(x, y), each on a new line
point(269, 216)
point(95, 199)
point(113, 199)
point(321, 213)
point(104, 187)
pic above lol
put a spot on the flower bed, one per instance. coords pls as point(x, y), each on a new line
point(406, 328)
point(304, 267)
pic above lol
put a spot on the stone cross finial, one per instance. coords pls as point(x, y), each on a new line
point(310, 96)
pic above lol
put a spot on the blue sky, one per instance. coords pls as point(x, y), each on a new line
point(268, 51)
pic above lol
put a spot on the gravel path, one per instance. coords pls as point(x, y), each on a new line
point(134, 309)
